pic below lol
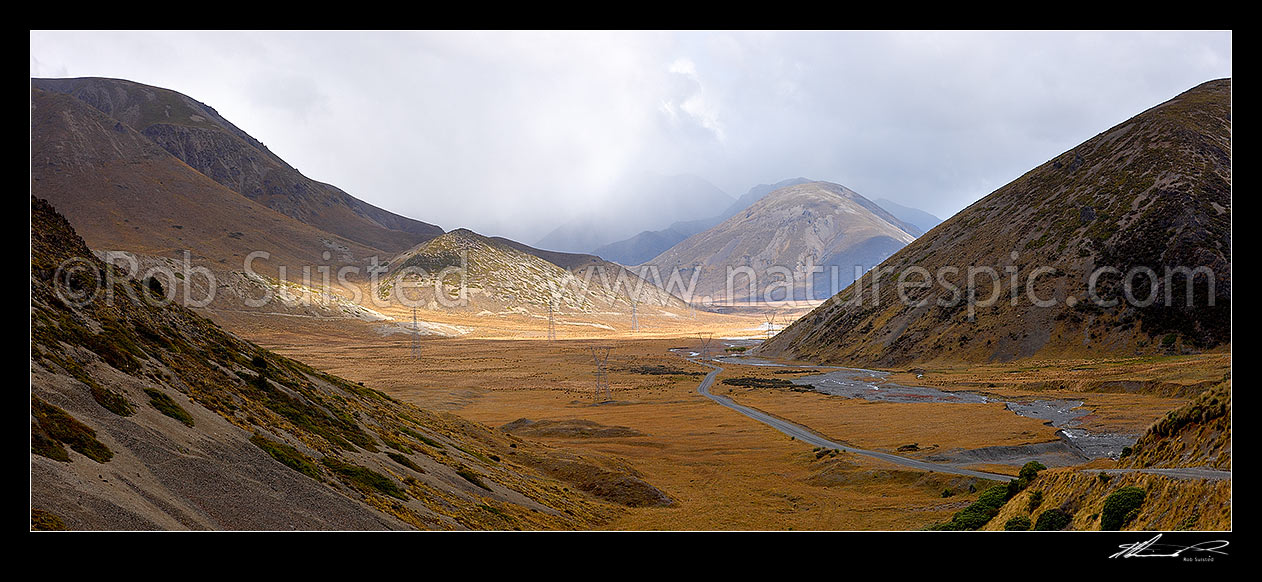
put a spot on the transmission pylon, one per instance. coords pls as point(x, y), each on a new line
point(416, 337)
point(600, 355)
point(635, 319)
point(771, 324)
point(552, 324)
point(705, 338)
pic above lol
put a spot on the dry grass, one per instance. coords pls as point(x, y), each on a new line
point(722, 470)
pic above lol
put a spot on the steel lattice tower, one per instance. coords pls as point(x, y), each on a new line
point(416, 337)
point(704, 338)
point(552, 325)
point(600, 355)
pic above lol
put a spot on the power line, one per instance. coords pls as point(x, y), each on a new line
point(416, 337)
point(705, 338)
point(600, 355)
point(552, 325)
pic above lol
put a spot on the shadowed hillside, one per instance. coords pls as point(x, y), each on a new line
point(210, 144)
point(1149, 199)
point(145, 415)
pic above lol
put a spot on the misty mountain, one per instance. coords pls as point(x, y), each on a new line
point(650, 243)
point(1153, 192)
point(646, 202)
point(817, 224)
point(923, 221)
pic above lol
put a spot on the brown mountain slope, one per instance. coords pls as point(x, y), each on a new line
point(201, 138)
point(1153, 192)
point(145, 415)
point(121, 191)
point(1194, 435)
point(499, 275)
point(818, 223)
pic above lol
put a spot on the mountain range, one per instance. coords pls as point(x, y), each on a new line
point(923, 221)
point(771, 250)
point(157, 174)
point(500, 275)
point(647, 201)
point(145, 415)
point(650, 243)
point(1121, 245)
point(197, 135)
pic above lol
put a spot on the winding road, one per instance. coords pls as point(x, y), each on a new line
point(806, 435)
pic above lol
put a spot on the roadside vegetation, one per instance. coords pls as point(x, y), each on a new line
point(987, 505)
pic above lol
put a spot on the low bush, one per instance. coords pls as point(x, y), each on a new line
point(471, 476)
point(159, 400)
point(1036, 499)
point(980, 512)
point(54, 426)
point(1031, 470)
point(1052, 520)
point(1018, 523)
point(364, 479)
point(405, 461)
point(288, 456)
point(1121, 507)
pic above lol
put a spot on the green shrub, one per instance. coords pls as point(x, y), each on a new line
point(364, 479)
point(980, 512)
point(420, 437)
point(471, 476)
point(111, 400)
point(1036, 499)
point(751, 382)
point(974, 517)
point(1031, 470)
point(1052, 520)
point(159, 400)
point(288, 456)
point(1018, 523)
point(1121, 507)
point(994, 497)
point(403, 460)
point(55, 426)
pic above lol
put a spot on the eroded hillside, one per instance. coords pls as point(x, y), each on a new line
point(145, 415)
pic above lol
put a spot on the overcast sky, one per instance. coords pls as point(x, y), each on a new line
point(513, 132)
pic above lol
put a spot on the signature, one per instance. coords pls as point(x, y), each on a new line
point(1152, 549)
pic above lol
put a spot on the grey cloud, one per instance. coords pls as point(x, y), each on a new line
point(516, 132)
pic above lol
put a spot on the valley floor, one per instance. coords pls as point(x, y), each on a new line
point(725, 471)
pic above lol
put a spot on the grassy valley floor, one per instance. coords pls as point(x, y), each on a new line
point(721, 470)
